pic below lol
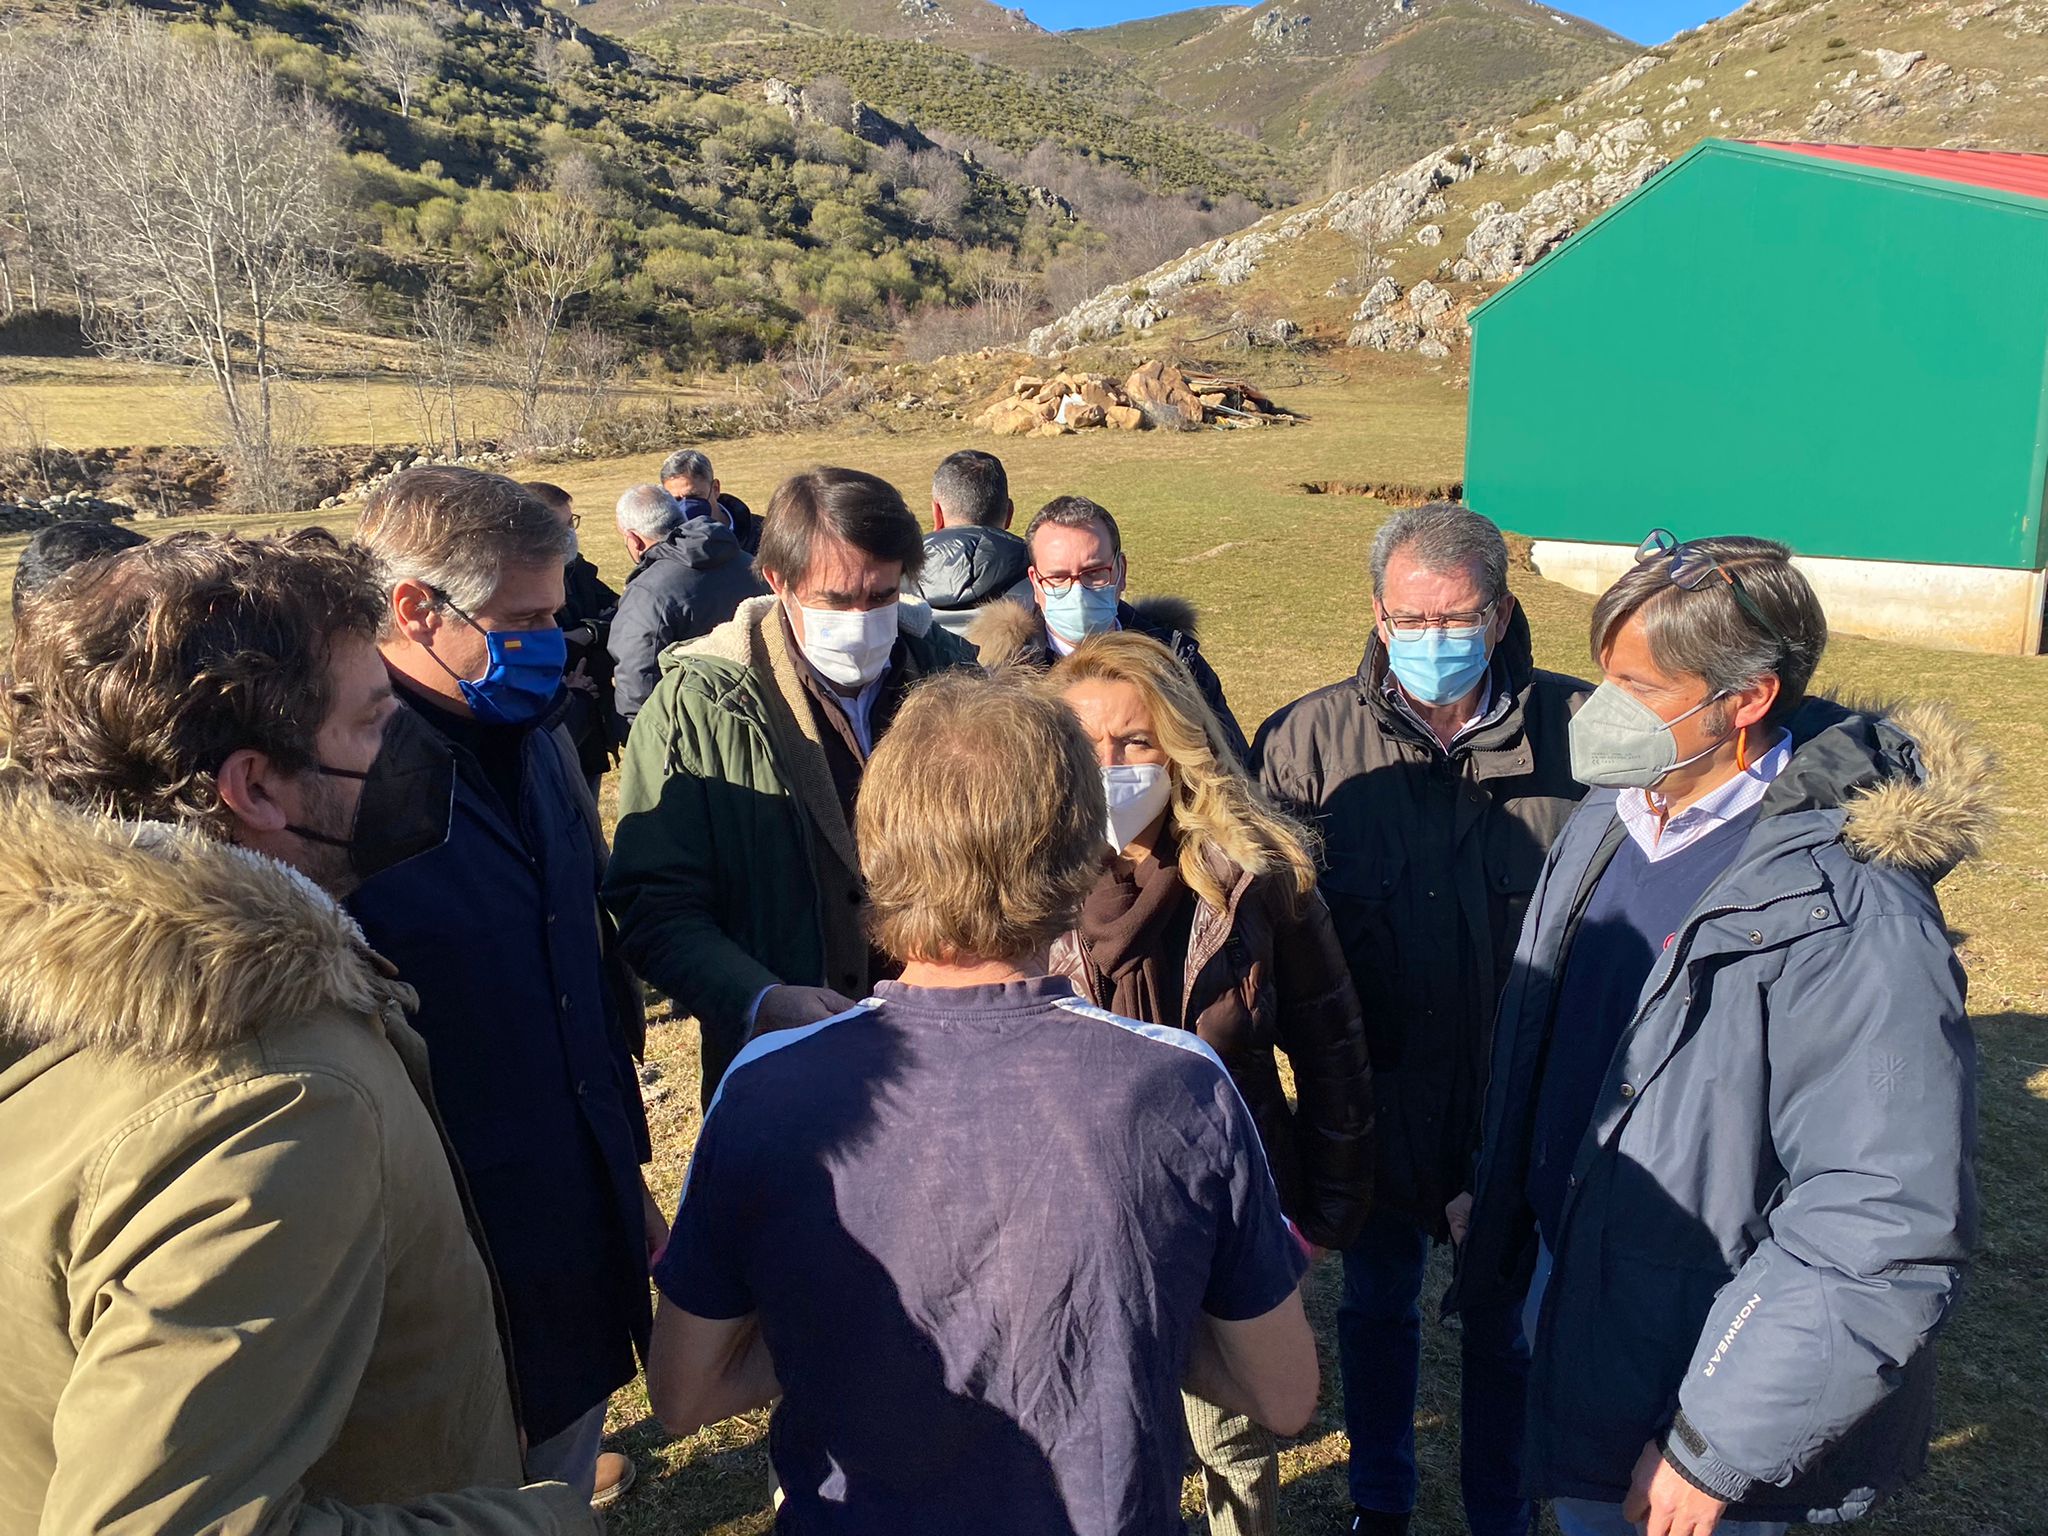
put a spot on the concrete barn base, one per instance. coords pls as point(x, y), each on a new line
point(1958, 607)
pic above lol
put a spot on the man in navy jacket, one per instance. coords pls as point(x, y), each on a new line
point(498, 931)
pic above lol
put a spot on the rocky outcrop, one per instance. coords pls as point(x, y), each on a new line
point(1545, 180)
point(1277, 29)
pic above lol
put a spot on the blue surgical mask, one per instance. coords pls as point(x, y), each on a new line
point(523, 674)
point(1080, 611)
point(1440, 666)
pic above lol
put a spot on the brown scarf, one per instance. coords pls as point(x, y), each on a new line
point(1134, 929)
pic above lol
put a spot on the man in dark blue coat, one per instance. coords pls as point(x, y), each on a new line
point(1729, 1132)
point(498, 931)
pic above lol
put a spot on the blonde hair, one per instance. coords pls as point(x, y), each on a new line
point(1216, 805)
point(963, 863)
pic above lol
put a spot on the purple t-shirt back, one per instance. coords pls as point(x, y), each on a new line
point(978, 1225)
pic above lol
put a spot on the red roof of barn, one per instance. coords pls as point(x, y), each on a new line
point(1999, 170)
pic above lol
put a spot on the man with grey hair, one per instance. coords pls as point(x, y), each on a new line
point(1438, 775)
point(497, 931)
point(1731, 1116)
point(689, 576)
point(686, 475)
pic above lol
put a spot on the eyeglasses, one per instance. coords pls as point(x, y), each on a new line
point(1417, 626)
point(575, 519)
point(1094, 579)
point(1692, 568)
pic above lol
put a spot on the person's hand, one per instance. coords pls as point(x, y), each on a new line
point(794, 1007)
point(579, 679)
point(1459, 1214)
point(1663, 1503)
point(657, 1223)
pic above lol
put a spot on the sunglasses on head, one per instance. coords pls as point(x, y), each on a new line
point(1691, 568)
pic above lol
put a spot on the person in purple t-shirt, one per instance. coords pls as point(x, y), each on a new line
point(975, 1234)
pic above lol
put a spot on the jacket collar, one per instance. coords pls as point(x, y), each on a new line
point(702, 543)
point(162, 942)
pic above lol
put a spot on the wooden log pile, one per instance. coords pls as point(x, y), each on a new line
point(1158, 394)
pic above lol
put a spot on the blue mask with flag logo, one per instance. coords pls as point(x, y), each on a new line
point(523, 674)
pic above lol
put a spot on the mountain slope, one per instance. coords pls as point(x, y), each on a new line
point(1382, 79)
point(1395, 264)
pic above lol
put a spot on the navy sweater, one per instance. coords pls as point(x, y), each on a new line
point(1635, 910)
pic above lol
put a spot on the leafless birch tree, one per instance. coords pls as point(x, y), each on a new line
point(399, 46)
point(196, 205)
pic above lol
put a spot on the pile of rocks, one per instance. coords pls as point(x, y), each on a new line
point(382, 465)
point(1158, 394)
point(71, 507)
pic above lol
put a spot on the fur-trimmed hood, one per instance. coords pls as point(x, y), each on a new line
point(160, 941)
point(1007, 631)
point(1914, 786)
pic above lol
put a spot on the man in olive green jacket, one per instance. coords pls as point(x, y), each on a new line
point(238, 1288)
point(733, 875)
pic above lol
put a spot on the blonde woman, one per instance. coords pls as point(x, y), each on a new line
point(1207, 919)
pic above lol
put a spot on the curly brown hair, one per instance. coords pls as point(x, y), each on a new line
point(135, 677)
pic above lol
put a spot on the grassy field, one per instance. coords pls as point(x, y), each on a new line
point(1279, 576)
point(90, 402)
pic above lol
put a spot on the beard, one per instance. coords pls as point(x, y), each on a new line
point(329, 809)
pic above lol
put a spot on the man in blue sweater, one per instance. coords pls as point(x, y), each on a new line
point(1731, 1118)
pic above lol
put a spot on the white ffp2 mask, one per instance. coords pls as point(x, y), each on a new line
point(1137, 793)
point(848, 648)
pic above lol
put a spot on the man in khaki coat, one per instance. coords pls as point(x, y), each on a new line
point(238, 1287)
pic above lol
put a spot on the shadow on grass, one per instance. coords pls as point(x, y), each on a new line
point(1987, 1474)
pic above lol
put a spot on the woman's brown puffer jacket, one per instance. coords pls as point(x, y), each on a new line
point(1260, 976)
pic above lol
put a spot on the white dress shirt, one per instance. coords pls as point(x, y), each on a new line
point(1661, 839)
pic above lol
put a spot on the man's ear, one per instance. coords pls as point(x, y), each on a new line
point(415, 612)
point(715, 488)
point(1501, 615)
point(1009, 513)
point(938, 514)
point(1755, 701)
point(246, 780)
point(775, 583)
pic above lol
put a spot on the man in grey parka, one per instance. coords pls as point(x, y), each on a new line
point(1732, 1114)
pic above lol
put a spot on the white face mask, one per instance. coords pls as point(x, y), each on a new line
point(1137, 793)
point(850, 649)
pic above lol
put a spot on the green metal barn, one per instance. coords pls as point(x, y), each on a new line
point(1842, 347)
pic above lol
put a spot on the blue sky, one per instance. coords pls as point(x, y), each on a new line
point(1646, 21)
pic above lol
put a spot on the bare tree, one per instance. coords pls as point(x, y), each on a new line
point(399, 46)
point(815, 364)
point(588, 362)
point(556, 250)
point(24, 161)
point(443, 336)
point(25, 443)
point(829, 99)
point(947, 190)
point(198, 219)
